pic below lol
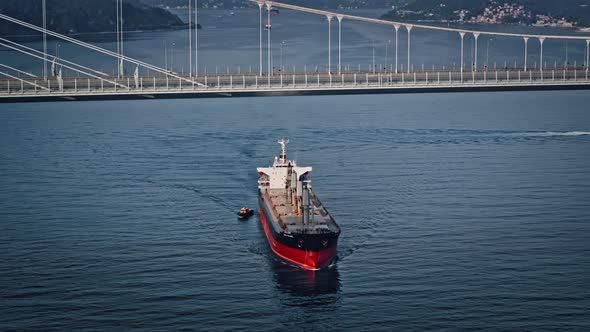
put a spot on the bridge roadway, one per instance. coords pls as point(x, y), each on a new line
point(244, 85)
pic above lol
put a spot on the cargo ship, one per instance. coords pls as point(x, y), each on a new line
point(297, 226)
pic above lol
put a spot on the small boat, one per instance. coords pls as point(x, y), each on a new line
point(245, 213)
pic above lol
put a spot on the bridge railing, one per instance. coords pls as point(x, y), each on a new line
point(293, 81)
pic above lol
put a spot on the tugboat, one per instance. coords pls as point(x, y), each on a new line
point(245, 213)
point(297, 226)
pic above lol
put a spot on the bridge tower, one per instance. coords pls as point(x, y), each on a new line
point(587, 55)
point(526, 51)
point(190, 39)
point(475, 36)
point(462, 34)
point(409, 28)
point(268, 27)
point(339, 17)
point(329, 17)
point(396, 27)
point(260, 5)
point(44, 40)
point(541, 41)
point(196, 38)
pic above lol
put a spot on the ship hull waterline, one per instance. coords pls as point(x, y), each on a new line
point(307, 259)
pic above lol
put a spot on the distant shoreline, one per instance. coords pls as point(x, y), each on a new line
point(579, 29)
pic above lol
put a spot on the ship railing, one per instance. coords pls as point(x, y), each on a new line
point(323, 212)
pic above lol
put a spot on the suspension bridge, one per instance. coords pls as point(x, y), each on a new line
point(148, 81)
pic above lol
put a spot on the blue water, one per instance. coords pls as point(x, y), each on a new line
point(458, 212)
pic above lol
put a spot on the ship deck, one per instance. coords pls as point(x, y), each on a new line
point(292, 222)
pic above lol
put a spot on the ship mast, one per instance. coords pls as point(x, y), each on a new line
point(283, 156)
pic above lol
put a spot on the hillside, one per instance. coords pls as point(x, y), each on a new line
point(540, 12)
point(85, 16)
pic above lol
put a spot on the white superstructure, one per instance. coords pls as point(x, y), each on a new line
point(276, 177)
point(287, 178)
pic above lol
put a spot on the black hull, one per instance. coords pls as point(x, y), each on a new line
point(307, 242)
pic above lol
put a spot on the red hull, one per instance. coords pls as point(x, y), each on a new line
point(311, 260)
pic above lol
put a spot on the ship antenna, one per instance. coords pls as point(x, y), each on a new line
point(283, 143)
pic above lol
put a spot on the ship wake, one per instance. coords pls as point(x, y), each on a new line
point(550, 133)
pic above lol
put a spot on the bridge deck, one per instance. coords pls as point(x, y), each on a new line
point(239, 85)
